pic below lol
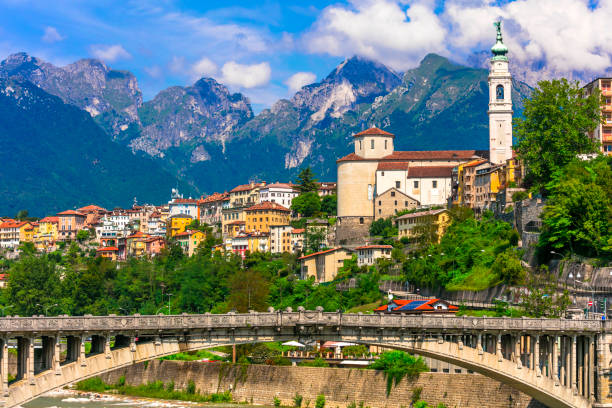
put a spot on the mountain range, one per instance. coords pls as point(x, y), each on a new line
point(205, 138)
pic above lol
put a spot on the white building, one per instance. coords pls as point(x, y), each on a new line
point(500, 103)
point(368, 254)
point(280, 239)
point(279, 193)
point(184, 206)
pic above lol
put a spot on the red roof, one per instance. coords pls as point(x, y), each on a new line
point(430, 171)
point(281, 185)
point(214, 197)
point(184, 201)
point(13, 224)
point(320, 252)
point(373, 131)
point(71, 212)
point(393, 166)
point(375, 247)
point(425, 306)
point(53, 220)
point(268, 205)
point(475, 163)
point(236, 222)
point(298, 230)
point(432, 155)
point(91, 207)
point(107, 249)
point(350, 157)
point(247, 187)
point(138, 234)
point(187, 233)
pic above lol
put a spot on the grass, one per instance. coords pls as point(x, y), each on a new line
point(480, 278)
point(157, 390)
point(367, 308)
point(195, 355)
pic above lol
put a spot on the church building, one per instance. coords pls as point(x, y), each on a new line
point(377, 181)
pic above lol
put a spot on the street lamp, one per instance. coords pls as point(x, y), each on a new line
point(169, 311)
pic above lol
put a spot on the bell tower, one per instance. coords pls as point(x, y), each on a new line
point(500, 103)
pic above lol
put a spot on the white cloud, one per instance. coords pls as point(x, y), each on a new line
point(154, 72)
point(177, 65)
point(296, 81)
point(109, 53)
point(51, 35)
point(244, 75)
point(379, 29)
point(204, 68)
point(546, 37)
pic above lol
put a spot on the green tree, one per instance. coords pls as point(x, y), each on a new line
point(22, 215)
point(543, 298)
point(397, 365)
point(329, 204)
point(554, 128)
point(578, 214)
point(248, 291)
point(508, 267)
point(82, 235)
point(306, 181)
point(307, 204)
point(27, 248)
point(313, 239)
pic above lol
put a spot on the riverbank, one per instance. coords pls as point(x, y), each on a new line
point(260, 384)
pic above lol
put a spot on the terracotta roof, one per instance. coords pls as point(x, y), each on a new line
point(71, 212)
point(214, 197)
point(184, 201)
point(180, 216)
point(350, 157)
point(106, 249)
point(421, 214)
point(474, 163)
point(280, 185)
point(268, 205)
point(151, 239)
point(247, 187)
point(138, 234)
point(187, 233)
point(432, 155)
point(430, 171)
point(298, 230)
point(403, 165)
point(13, 224)
point(236, 222)
point(53, 220)
point(373, 131)
point(320, 253)
point(91, 207)
point(375, 247)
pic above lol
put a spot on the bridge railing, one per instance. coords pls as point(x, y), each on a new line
point(293, 319)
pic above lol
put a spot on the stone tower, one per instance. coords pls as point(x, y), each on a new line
point(500, 103)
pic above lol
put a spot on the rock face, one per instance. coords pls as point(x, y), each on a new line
point(196, 115)
point(111, 97)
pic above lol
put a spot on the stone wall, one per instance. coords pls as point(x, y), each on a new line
point(351, 232)
point(260, 384)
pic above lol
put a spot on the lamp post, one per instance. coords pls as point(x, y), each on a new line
point(169, 310)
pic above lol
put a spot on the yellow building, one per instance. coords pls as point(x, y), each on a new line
point(263, 215)
point(190, 240)
point(245, 195)
point(324, 265)
point(252, 242)
point(46, 234)
point(232, 221)
point(411, 225)
point(12, 233)
point(178, 223)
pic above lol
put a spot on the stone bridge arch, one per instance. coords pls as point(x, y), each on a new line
point(508, 350)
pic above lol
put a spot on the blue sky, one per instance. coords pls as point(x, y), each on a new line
point(268, 49)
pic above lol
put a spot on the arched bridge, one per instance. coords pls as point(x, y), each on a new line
point(561, 363)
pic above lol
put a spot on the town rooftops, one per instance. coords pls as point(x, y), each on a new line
point(71, 212)
point(187, 233)
point(288, 186)
point(214, 197)
point(403, 165)
point(52, 220)
point(375, 247)
point(268, 205)
point(350, 157)
point(237, 222)
point(373, 131)
point(298, 230)
point(184, 201)
point(138, 234)
point(421, 214)
point(327, 251)
point(430, 171)
point(180, 216)
point(247, 187)
point(13, 224)
point(419, 155)
point(107, 249)
point(474, 163)
point(91, 208)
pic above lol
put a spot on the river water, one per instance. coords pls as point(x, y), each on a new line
point(72, 400)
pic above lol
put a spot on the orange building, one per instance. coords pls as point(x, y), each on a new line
point(70, 222)
point(263, 215)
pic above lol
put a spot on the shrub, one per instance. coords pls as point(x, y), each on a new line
point(320, 402)
point(297, 400)
point(170, 386)
point(277, 402)
point(397, 365)
point(519, 195)
point(416, 394)
point(121, 381)
point(317, 362)
point(191, 388)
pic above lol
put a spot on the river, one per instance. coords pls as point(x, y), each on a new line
point(73, 400)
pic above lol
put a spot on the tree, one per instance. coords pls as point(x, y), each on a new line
point(578, 214)
point(542, 297)
point(314, 239)
point(329, 204)
point(248, 291)
point(82, 235)
point(307, 204)
point(306, 181)
point(554, 129)
point(22, 215)
point(508, 267)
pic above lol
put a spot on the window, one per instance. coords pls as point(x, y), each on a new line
point(499, 92)
point(434, 184)
point(360, 145)
point(379, 211)
point(386, 144)
point(382, 173)
point(372, 143)
point(379, 202)
point(397, 184)
point(395, 202)
point(405, 203)
point(393, 194)
point(361, 220)
point(416, 184)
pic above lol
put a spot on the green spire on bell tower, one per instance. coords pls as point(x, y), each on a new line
point(499, 50)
